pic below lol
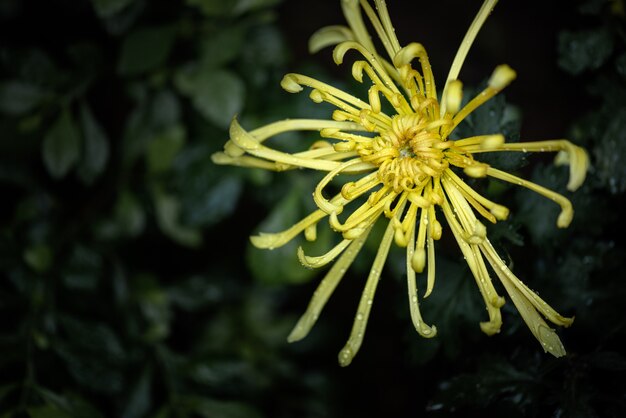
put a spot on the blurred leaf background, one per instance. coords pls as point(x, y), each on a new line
point(129, 288)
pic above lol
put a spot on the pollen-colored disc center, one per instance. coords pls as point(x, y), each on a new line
point(408, 154)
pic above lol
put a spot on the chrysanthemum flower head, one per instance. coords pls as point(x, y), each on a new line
point(411, 172)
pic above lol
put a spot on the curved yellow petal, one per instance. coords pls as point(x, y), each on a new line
point(329, 36)
point(322, 260)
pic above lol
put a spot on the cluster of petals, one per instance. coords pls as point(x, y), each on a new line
point(409, 173)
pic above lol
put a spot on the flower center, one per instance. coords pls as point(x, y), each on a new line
point(408, 154)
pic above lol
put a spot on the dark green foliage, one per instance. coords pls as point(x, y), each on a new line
point(61, 145)
point(584, 50)
point(145, 49)
point(129, 287)
point(216, 94)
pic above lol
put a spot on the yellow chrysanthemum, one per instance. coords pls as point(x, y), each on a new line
point(409, 166)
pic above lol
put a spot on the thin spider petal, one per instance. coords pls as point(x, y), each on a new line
point(568, 153)
point(275, 240)
point(329, 36)
point(466, 44)
point(353, 344)
point(322, 260)
point(549, 340)
point(567, 211)
point(416, 317)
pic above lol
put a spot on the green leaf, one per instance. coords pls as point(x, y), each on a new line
point(155, 307)
point(18, 98)
point(83, 269)
point(281, 265)
point(209, 193)
point(108, 8)
point(195, 293)
point(92, 337)
point(217, 202)
point(140, 399)
point(125, 20)
point(129, 214)
point(38, 257)
point(584, 50)
point(163, 149)
point(36, 67)
point(146, 49)
point(92, 353)
point(91, 370)
point(61, 146)
point(266, 49)
point(168, 219)
point(164, 109)
point(221, 47)
point(95, 148)
point(216, 94)
point(152, 115)
point(129, 218)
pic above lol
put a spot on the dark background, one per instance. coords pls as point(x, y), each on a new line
point(129, 287)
